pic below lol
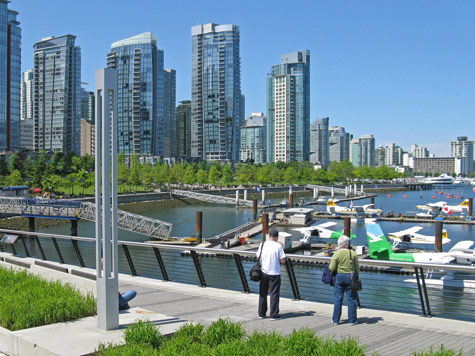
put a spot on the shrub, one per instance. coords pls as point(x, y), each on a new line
point(441, 351)
point(143, 333)
point(222, 330)
point(27, 301)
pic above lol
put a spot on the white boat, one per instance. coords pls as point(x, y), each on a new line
point(442, 179)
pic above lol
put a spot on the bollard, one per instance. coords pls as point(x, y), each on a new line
point(74, 228)
point(237, 198)
point(470, 207)
point(347, 224)
point(265, 226)
point(263, 197)
point(291, 200)
point(372, 199)
point(245, 194)
point(199, 227)
point(438, 236)
point(254, 209)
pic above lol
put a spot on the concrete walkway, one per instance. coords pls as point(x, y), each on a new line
point(170, 304)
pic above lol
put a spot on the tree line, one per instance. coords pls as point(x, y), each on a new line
point(54, 171)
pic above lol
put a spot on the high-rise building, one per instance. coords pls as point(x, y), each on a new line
point(26, 110)
point(319, 145)
point(463, 148)
point(419, 151)
point(88, 138)
point(183, 128)
point(288, 109)
point(379, 156)
point(140, 94)
point(242, 106)
point(362, 151)
point(216, 92)
point(10, 78)
point(169, 140)
point(253, 139)
point(394, 155)
point(57, 102)
point(339, 144)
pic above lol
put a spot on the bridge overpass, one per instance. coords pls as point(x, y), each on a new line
point(73, 210)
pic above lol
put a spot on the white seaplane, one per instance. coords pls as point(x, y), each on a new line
point(434, 209)
point(411, 236)
point(363, 211)
point(319, 232)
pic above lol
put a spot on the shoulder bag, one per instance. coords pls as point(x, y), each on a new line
point(328, 277)
point(255, 274)
point(356, 284)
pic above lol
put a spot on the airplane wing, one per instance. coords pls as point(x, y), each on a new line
point(304, 230)
point(409, 231)
point(443, 260)
point(367, 206)
point(325, 225)
point(462, 245)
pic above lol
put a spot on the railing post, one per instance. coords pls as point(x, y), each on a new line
point(58, 251)
point(242, 275)
point(24, 246)
point(292, 279)
point(438, 236)
point(419, 287)
point(129, 260)
point(199, 271)
point(161, 264)
point(78, 253)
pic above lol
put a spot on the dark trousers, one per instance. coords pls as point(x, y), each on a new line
point(268, 284)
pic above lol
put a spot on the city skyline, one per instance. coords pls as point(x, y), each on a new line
point(398, 71)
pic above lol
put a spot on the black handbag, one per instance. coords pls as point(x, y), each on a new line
point(356, 284)
point(255, 274)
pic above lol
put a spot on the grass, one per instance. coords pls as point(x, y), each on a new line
point(27, 301)
point(223, 338)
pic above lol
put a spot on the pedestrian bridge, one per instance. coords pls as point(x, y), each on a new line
point(73, 210)
point(210, 198)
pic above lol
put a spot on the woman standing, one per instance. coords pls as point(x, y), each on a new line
point(345, 263)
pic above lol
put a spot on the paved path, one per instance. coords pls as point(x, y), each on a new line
point(170, 304)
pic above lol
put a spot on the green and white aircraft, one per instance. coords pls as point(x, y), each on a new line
point(381, 249)
point(320, 232)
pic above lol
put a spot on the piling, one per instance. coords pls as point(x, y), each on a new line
point(347, 224)
point(355, 191)
point(372, 199)
point(254, 209)
point(438, 236)
point(315, 194)
point(237, 198)
point(31, 224)
point(346, 192)
point(74, 228)
point(245, 194)
point(291, 200)
point(265, 226)
point(263, 197)
point(199, 227)
point(362, 189)
point(470, 207)
point(333, 193)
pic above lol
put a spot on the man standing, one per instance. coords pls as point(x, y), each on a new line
point(272, 256)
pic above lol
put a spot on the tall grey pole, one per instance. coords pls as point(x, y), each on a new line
point(106, 200)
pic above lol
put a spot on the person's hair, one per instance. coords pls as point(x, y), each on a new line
point(273, 233)
point(343, 241)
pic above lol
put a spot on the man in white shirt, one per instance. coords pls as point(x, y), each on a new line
point(272, 256)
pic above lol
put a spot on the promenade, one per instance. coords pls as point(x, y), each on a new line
point(169, 305)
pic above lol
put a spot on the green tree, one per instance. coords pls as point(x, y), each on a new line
point(177, 173)
point(84, 180)
point(161, 174)
point(3, 167)
point(57, 164)
point(39, 169)
point(214, 175)
point(227, 174)
point(70, 182)
point(135, 172)
point(14, 178)
point(202, 176)
point(16, 163)
point(190, 175)
point(54, 181)
point(147, 174)
point(290, 175)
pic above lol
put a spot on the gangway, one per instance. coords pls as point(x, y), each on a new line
point(335, 190)
point(210, 198)
point(73, 210)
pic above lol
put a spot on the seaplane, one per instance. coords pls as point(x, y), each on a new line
point(411, 236)
point(434, 209)
point(319, 232)
point(360, 211)
point(381, 249)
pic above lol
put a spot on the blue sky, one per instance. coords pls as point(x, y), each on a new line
point(403, 70)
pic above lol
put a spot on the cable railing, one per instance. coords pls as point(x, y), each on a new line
point(425, 289)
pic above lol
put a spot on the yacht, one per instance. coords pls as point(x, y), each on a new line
point(442, 179)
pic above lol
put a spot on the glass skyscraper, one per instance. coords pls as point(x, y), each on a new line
point(319, 146)
point(216, 92)
point(253, 139)
point(169, 140)
point(10, 78)
point(140, 94)
point(57, 102)
point(288, 109)
point(183, 128)
point(339, 144)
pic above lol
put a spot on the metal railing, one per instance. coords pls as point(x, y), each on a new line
point(425, 289)
point(237, 230)
point(210, 198)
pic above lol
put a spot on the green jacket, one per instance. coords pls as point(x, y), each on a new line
point(341, 262)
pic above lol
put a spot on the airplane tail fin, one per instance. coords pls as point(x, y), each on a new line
point(330, 203)
point(379, 246)
point(464, 203)
point(445, 235)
